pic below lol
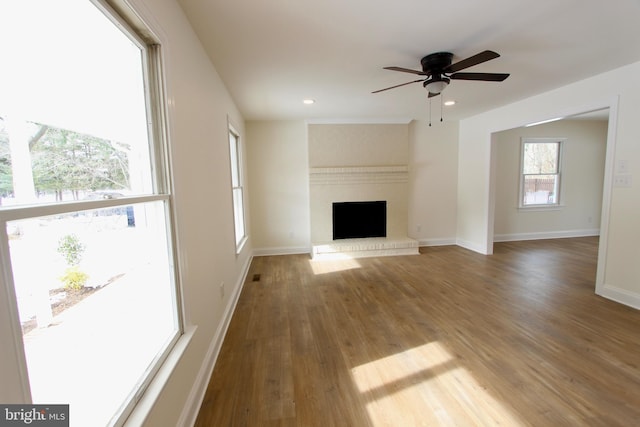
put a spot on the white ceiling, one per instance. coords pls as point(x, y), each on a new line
point(274, 53)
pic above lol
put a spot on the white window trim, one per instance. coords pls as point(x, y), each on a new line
point(14, 367)
point(542, 207)
point(239, 156)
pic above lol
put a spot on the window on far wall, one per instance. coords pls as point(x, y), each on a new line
point(237, 187)
point(540, 172)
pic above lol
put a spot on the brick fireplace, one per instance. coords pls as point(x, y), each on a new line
point(359, 163)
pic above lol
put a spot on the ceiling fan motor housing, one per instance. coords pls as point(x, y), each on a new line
point(436, 63)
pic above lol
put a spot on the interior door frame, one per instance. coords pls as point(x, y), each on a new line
point(609, 169)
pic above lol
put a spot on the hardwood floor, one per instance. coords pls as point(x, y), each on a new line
point(449, 337)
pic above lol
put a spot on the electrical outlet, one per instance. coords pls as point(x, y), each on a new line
point(222, 290)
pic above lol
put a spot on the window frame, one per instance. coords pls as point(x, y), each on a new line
point(127, 20)
point(558, 174)
point(235, 153)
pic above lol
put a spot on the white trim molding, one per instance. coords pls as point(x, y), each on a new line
point(561, 234)
point(620, 295)
point(437, 242)
point(283, 250)
point(472, 246)
point(359, 175)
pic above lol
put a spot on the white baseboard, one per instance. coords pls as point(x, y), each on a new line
point(471, 246)
point(546, 235)
point(437, 242)
point(622, 296)
point(199, 388)
point(281, 251)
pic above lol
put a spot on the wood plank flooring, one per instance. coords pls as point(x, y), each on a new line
point(445, 338)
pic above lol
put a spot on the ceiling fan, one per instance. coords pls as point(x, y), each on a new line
point(439, 71)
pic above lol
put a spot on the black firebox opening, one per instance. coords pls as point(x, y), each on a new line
point(353, 220)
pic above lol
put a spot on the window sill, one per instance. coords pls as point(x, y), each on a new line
point(151, 394)
point(540, 208)
point(240, 245)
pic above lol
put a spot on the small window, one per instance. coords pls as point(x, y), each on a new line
point(540, 172)
point(237, 188)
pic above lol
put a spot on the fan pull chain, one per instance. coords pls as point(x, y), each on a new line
point(440, 108)
point(429, 112)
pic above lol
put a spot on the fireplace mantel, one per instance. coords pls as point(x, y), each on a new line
point(359, 175)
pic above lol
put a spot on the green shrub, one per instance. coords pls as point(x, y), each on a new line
point(73, 278)
point(71, 249)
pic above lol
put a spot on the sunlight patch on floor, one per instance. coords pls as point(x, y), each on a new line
point(400, 367)
point(340, 263)
point(427, 386)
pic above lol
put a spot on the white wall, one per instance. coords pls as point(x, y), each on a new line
point(433, 182)
point(618, 269)
point(199, 110)
point(357, 144)
point(279, 182)
point(583, 156)
point(278, 158)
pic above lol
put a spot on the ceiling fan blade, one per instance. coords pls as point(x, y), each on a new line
point(406, 70)
point(479, 58)
point(488, 77)
point(393, 87)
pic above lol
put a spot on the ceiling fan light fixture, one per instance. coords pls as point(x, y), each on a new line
point(436, 84)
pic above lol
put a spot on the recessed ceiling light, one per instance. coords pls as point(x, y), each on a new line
point(449, 103)
point(309, 101)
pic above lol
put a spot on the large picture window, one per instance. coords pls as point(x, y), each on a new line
point(540, 172)
point(85, 218)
